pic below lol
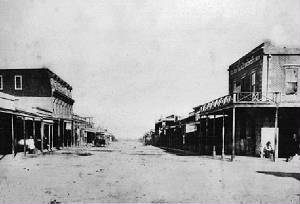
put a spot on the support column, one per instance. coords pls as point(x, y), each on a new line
point(206, 133)
point(33, 129)
point(199, 134)
point(24, 135)
point(223, 136)
point(49, 137)
point(52, 136)
point(42, 136)
point(72, 134)
point(233, 134)
point(58, 134)
point(276, 134)
point(12, 136)
point(63, 134)
point(214, 136)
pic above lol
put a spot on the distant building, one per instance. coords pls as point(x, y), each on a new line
point(163, 126)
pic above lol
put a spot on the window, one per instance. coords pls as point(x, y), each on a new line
point(1, 82)
point(291, 78)
point(253, 89)
point(18, 82)
point(237, 87)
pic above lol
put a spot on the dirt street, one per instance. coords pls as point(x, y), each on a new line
point(127, 171)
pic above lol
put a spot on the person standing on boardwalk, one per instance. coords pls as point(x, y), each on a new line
point(293, 148)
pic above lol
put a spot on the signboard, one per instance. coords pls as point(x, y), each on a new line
point(68, 126)
point(245, 64)
point(190, 128)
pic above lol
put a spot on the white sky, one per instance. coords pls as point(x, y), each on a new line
point(131, 61)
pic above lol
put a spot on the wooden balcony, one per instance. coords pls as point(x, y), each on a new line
point(246, 98)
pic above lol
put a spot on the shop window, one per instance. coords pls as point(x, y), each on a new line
point(291, 81)
point(18, 82)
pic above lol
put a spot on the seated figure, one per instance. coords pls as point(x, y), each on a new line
point(268, 150)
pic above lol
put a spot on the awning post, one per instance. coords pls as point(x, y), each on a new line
point(206, 133)
point(12, 136)
point(223, 136)
point(214, 136)
point(233, 134)
point(276, 134)
point(199, 134)
point(24, 135)
point(42, 136)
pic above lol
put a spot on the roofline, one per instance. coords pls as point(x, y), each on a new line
point(52, 74)
point(266, 47)
point(248, 53)
point(58, 78)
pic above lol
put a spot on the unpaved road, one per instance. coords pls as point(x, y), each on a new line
point(127, 171)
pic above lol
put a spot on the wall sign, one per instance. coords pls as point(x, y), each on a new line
point(244, 65)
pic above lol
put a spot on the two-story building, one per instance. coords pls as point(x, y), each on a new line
point(263, 104)
point(41, 91)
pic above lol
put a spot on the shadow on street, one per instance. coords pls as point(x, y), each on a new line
point(2, 156)
point(281, 174)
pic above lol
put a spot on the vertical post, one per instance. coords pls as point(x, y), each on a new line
point(12, 136)
point(72, 133)
point(206, 133)
point(52, 136)
point(233, 134)
point(42, 136)
point(24, 136)
point(223, 137)
point(33, 129)
point(49, 136)
point(63, 134)
point(58, 133)
point(200, 134)
point(214, 136)
point(276, 134)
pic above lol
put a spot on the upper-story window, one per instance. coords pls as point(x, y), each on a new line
point(18, 82)
point(291, 80)
point(236, 86)
point(1, 82)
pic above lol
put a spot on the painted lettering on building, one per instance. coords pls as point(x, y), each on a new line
point(245, 64)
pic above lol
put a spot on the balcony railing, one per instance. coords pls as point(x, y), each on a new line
point(241, 97)
point(255, 97)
